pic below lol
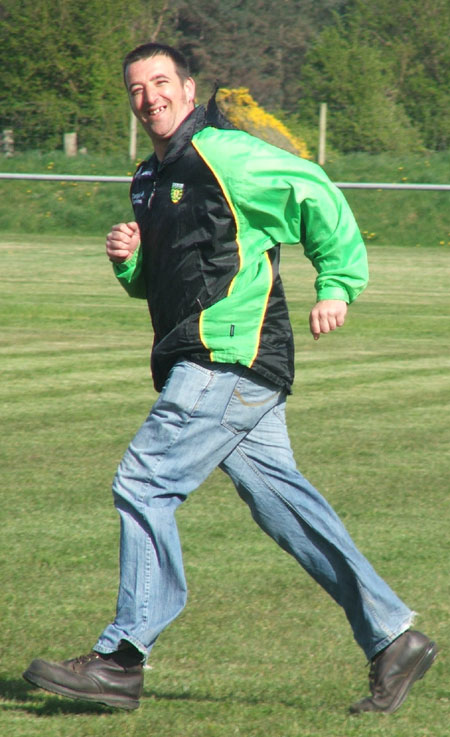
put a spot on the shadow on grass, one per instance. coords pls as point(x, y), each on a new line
point(261, 699)
point(17, 695)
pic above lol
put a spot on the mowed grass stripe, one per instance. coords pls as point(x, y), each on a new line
point(260, 649)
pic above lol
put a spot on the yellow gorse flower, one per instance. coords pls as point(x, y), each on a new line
point(245, 113)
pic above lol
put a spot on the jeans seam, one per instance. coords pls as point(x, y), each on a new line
point(141, 498)
point(279, 414)
point(148, 571)
point(370, 605)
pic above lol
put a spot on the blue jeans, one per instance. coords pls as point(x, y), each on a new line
point(224, 415)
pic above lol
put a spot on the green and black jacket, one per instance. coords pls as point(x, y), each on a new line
point(212, 216)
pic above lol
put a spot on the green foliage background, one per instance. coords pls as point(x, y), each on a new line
point(382, 67)
point(60, 68)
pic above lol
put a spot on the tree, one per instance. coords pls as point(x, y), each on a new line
point(259, 45)
point(60, 68)
point(383, 69)
point(414, 35)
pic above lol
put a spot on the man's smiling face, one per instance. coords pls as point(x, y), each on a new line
point(159, 98)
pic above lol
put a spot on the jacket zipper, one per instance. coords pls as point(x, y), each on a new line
point(152, 194)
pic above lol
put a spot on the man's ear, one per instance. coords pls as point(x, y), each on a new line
point(189, 87)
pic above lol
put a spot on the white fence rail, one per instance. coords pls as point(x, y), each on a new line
point(96, 178)
point(387, 185)
point(65, 177)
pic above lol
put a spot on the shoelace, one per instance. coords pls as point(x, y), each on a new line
point(373, 673)
point(82, 659)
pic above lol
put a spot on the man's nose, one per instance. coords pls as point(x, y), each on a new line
point(151, 94)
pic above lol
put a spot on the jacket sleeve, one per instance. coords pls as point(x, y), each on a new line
point(290, 200)
point(297, 202)
point(333, 243)
point(130, 275)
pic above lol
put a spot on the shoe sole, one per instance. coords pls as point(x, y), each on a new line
point(116, 702)
point(425, 662)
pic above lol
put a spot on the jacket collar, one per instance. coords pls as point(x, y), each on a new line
point(194, 122)
point(200, 118)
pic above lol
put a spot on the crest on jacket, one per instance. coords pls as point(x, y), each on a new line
point(176, 192)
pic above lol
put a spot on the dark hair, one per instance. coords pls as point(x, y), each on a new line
point(147, 50)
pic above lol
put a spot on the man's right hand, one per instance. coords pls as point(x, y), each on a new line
point(122, 241)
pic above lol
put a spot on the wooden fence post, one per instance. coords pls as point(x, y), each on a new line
point(7, 142)
point(133, 137)
point(70, 144)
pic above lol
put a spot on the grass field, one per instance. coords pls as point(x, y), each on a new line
point(260, 650)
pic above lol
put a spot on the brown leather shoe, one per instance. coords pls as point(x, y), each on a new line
point(394, 670)
point(114, 680)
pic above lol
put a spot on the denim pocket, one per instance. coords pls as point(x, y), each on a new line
point(252, 398)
